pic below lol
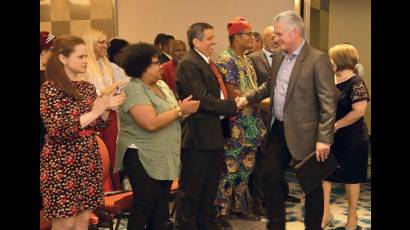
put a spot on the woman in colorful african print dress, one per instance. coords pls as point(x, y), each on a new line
point(70, 163)
point(247, 130)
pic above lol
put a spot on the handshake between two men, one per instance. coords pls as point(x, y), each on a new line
point(241, 102)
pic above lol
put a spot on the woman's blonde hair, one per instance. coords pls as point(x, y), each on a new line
point(102, 77)
point(344, 56)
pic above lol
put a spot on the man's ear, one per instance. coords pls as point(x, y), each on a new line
point(196, 41)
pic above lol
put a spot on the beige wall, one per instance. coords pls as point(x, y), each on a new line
point(140, 20)
point(62, 17)
point(349, 21)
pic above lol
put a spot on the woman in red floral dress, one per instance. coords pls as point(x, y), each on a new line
point(70, 163)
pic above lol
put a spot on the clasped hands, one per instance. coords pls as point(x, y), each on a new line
point(241, 102)
point(188, 106)
point(108, 99)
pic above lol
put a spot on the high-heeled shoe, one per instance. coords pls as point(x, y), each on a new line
point(329, 223)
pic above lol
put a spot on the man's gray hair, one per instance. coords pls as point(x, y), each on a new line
point(291, 19)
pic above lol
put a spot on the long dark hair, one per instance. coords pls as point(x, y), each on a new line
point(55, 72)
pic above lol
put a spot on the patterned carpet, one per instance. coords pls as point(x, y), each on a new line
point(294, 210)
point(338, 205)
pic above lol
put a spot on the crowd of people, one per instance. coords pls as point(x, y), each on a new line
point(225, 129)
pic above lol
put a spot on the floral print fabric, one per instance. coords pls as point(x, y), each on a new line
point(70, 162)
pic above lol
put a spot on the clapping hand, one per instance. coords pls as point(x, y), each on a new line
point(189, 106)
point(111, 90)
point(100, 105)
point(115, 101)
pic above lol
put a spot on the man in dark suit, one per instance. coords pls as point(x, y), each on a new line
point(303, 113)
point(163, 41)
point(257, 43)
point(262, 59)
point(262, 62)
point(202, 132)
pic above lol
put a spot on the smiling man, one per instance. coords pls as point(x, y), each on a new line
point(202, 132)
point(301, 117)
point(246, 126)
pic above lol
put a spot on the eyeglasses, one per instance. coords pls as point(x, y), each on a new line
point(248, 33)
point(156, 63)
point(102, 43)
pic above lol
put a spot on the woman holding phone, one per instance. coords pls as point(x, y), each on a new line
point(100, 74)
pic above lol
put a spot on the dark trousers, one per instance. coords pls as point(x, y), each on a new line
point(276, 160)
point(255, 182)
point(199, 183)
point(150, 196)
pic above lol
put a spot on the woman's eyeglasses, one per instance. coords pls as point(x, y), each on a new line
point(155, 63)
point(103, 43)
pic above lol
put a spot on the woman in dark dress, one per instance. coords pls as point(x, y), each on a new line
point(70, 162)
point(351, 138)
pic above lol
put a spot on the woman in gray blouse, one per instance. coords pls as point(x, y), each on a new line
point(148, 146)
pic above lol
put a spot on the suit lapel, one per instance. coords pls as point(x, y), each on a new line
point(265, 60)
point(295, 73)
point(206, 66)
point(198, 57)
point(204, 63)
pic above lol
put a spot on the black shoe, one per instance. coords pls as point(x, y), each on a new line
point(292, 199)
point(247, 216)
point(223, 222)
point(259, 210)
point(169, 225)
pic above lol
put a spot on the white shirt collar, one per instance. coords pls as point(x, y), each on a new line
point(203, 56)
point(267, 53)
point(296, 52)
point(169, 56)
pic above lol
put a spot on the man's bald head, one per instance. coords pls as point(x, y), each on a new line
point(178, 50)
point(267, 32)
point(268, 38)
